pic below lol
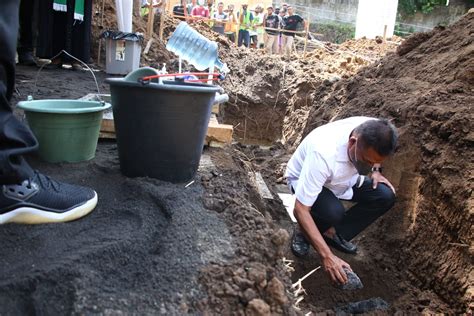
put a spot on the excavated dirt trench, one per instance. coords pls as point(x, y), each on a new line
point(419, 256)
point(217, 248)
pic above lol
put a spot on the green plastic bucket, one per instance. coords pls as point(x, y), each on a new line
point(67, 130)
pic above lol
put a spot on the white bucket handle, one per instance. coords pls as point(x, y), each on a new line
point(83, 63)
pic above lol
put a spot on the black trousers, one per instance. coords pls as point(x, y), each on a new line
point(15, 138)
point(328, 210)
point(25, 42)
point(59, 30)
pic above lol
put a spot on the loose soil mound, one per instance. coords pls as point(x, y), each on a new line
point(427, 89)
point(140, 251)
point(259, 82)
point(376, 262)
point(216, 247)
point(255, 278)
point(150, 246)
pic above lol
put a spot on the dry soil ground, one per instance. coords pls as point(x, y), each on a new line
point(217, 246)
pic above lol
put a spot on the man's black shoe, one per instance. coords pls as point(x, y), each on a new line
point(27, 59)
point(341, 244)
point(299, 244)
point(42, 200)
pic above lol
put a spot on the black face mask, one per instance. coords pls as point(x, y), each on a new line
point(362, 167)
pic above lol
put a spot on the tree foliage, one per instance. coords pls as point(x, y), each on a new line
point(335, 32)
point(409, 7)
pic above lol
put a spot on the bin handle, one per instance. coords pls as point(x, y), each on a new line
point(102, 102)
point(215, 76)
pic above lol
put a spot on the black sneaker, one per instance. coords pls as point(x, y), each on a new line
point(43, 200)
point(339, 243)
point(299, 244)
point(27, 59)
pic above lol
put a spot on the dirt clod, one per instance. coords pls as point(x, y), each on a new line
point(280, 238)
point(258, 307)
point(276, 291)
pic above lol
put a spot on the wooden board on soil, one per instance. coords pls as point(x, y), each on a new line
point(218, 135)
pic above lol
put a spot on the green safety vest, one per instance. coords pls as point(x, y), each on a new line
point(211, 16)
point(246, 21)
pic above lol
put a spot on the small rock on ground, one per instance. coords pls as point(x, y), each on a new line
point(353, 283)
point(360, 307)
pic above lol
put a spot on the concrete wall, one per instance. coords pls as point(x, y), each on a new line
point(376, 18)
point(440, 15)
point(345, 11)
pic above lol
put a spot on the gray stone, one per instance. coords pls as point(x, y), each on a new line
point(353, 283)
point(360, 307)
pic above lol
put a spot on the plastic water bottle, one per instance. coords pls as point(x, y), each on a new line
point(196, 49)
point(164, 72)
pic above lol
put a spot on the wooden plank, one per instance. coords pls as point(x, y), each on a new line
point(96, 97)
point(107, 135)
point(215, 108)
point(151, 18)
point(219, 132)
point(162, 19)
point(213, 119)
point(306, 38)
point(262, 187)
point(215, 144)
point(286, 31)
point(206, 163)
point(148, 46)
point(107, 125)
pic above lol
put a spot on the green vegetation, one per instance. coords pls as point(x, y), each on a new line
point(334, 32)
point(402, 31)
point(409, 7)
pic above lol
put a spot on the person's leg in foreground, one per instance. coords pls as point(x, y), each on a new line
point(26, 196)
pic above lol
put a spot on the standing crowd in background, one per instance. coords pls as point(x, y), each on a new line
point(253, 28)
point(52, 26)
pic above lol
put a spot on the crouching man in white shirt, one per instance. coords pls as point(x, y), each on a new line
point(330, 165)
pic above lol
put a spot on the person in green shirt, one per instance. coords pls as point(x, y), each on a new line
point(246, 20)
point(259, 18)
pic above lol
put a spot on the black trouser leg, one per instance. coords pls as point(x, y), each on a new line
point(327, 211)
point(81, 35)
point(25, 43)
point(371, 204)
point(69, 27)
point(15, 138)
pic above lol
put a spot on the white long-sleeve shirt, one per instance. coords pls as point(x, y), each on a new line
point(321, 160)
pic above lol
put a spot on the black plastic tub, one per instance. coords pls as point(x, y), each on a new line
point(161, 128)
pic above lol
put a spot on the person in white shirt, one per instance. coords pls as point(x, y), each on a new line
point(221, 17)
point(330, 165)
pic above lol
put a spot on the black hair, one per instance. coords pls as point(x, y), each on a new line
point(380, 135)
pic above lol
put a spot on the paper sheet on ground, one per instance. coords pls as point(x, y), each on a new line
point(289, 203)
